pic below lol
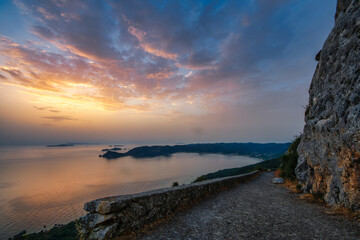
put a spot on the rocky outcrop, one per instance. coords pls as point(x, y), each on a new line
point(112, 217)
point(329, 151)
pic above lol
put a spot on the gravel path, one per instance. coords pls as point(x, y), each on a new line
point(256, 210)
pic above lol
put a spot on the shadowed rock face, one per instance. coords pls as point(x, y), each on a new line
point(329, 151)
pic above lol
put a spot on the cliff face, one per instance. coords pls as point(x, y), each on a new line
point(329, 151)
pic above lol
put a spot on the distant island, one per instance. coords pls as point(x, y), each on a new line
point(61, 145)
point(259, 150)
point(70, 144)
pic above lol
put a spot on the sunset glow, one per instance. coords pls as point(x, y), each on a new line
point(157, 71)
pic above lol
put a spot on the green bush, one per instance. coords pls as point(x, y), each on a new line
point(175, 184)
point(289, 161)
point(67, 232)
point(268, 164)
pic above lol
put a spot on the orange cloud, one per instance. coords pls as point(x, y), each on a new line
point(148, 47)
point(158, 52)
point(160, 75)
point(69, 80)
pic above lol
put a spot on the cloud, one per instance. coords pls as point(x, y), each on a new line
point(59, 118)
point(150, 48)
point(55, 111)
point(17, 74)
point(50, 109)
point(189, 74)
point(76, 26)
point(130, 41)
point(129, 49)
point(161, 57)
point(40, 108)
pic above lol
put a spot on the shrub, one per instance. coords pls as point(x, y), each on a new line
point(201, 178)
point(66, 232)
point(268, 164)
point(175, 184)
point(318, 195)
point(307, 109)
point(289, 161)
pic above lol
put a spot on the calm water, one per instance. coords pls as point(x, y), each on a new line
point(43, 186)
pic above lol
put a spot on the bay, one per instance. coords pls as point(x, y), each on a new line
point(42, 186)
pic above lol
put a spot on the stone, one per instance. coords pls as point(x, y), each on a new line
point(329, 150)
point(278, 180)
point(113, 217)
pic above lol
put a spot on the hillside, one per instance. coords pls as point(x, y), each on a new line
point(259, 150)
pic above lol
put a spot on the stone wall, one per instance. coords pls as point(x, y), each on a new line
point(113, 217)
point(329, 151)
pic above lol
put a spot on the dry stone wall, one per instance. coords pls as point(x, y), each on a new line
point(112, 217)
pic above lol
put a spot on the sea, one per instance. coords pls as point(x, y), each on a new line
point(42, 186)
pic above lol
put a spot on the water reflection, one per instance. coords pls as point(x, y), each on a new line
point(43, 186)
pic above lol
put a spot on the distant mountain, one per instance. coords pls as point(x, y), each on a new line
point(260, 150)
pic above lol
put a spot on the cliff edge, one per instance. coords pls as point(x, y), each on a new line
point(329, 151)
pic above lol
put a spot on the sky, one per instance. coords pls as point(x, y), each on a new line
point(166, 71)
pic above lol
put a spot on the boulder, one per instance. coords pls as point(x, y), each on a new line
point(278, 180)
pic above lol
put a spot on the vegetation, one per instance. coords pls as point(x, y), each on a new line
point(265, 151)
point(318, 196)
point(67, 232)
point(289, 161)
point(269, 164)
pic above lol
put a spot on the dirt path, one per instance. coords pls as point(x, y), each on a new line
point(256, 210)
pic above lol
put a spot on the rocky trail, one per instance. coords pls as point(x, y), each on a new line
point(256, 210)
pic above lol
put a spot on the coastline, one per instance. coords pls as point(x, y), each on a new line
point(69, 230)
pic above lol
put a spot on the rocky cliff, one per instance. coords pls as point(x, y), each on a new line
point(329, 151)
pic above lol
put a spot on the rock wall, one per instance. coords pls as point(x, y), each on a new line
point(329, 151)
point(112, 217)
